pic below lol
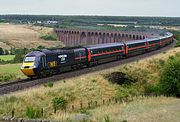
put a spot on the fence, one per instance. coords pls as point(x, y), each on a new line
point(89, 105)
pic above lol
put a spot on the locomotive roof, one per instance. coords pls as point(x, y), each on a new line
point(34, 53)
point(104, 45)
point(55, 51)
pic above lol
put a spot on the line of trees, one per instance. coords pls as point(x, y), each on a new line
point(19, 54)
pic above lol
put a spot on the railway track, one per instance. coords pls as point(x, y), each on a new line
point(27, 83)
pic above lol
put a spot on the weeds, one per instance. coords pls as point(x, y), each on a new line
point(49, 84)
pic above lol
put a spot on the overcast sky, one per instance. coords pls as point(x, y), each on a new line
point(92, 7)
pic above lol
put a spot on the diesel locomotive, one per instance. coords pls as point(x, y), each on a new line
point(46, 62)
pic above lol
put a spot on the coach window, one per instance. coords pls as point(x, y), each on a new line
point(91, 52)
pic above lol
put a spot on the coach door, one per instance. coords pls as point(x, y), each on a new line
point(43, 61)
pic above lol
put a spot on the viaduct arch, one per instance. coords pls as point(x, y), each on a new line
point(88, 37)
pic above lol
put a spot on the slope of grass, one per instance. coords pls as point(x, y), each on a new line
point(25, 36)
point(10, 72)
point(94, 87)
point(158, 109)
point(7, 57)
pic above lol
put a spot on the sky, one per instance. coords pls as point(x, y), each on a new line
point(167, 8)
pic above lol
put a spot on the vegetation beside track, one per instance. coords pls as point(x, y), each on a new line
point(10, 72)
point(145, 74)
point(7, 57)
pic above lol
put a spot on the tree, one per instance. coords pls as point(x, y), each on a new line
point(6, 52)
point(170, 77)
point(1, 51)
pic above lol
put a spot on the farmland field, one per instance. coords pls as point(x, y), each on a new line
point(25, 36)
point(10, 72)
point(7, 57)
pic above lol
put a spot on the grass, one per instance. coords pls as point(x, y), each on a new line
point(12, 71)
point(7, 57)
point(151, 109)
point(25, 36)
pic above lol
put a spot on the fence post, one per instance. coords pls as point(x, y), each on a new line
point(54, 109)
point(96, 103)
point(42, 112)
point(81, 105)
point(109, 100)
point(13, 112)
point(116, 100)
point(89, 104)
point(103, 102)
point(65, 109)
point(72, 107)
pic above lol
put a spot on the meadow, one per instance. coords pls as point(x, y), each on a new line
point(9, 72)
point(26, 36)
point(7, 57)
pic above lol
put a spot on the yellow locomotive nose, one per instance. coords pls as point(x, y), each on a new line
point(27, 68)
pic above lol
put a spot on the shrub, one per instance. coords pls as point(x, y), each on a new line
point(33, 112)
point(177, 44)
point(106, 118)
point(1, 51)
point(118, 77)
point(49, 37)
point(49, 84)
point(152, 89)
point(18, 58)
point(170, 77)
point(161, 62)
point(59, 103)
point(6, 77)
point(125, 91)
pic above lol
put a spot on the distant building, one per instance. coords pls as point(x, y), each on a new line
point(52, 22)
point(39, 22)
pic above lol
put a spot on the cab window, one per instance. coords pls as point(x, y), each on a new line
point(29, 59)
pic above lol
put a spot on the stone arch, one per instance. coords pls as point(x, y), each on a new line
point(130, 36)
point(137, 37)
point(83, 38)
point(123, 35)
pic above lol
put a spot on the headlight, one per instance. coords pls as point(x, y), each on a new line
point(32, 67)
point(28, 67)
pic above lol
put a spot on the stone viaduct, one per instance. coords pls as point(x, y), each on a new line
point(88, 37)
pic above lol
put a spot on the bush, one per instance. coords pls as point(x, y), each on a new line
point(49, 37)
point(125, 90)
point(59, 103)
point(152, 89)
point(177, 44)
point(18, 58)
point(170, 77)
point(33, 113)
point(118, 77)
point(49, 84)
point(106, 118)
point(1, 51)
point(7, 77)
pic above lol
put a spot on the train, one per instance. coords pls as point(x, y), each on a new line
point(46, 62)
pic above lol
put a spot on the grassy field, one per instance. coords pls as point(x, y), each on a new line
point(7, 57)
point(151, 109)
point(95, 87)
point(10, 72)
point(25, 36)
